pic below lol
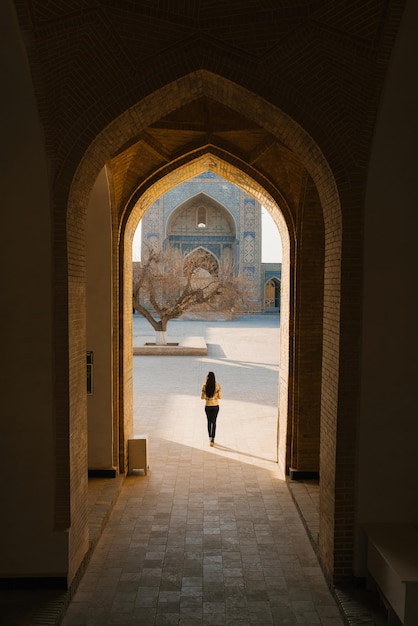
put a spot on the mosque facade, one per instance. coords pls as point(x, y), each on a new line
point(211, 214)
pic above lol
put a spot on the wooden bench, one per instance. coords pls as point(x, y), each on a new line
point(392, 562)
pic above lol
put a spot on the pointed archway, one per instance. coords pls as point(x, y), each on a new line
point(319, 192)
point(272, 290)
point(140, 204)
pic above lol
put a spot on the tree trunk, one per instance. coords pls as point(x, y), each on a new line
point(161, 337)
point(161, 332)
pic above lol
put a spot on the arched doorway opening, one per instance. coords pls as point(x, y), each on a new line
point(272, 290)
point(319, 190)
point(68, 139)
point(201, 262)
point(141, 203)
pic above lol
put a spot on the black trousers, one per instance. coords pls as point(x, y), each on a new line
point(212, 414)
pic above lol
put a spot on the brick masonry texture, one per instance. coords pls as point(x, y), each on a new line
point(147, 89)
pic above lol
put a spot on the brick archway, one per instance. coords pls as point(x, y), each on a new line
point(117, 135)
point(140, 203)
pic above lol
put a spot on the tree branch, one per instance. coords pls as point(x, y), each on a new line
point(173, 285)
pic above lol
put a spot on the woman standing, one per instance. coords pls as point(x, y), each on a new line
point(211, 393)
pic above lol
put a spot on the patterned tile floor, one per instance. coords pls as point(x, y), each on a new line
point(209, 535)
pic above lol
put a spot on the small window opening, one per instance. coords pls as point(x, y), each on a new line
point(201, 217)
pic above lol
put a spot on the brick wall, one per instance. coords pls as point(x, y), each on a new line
point(150, 97)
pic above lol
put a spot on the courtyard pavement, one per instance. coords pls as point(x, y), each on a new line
point(208, 535)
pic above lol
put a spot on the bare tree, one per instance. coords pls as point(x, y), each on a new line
point(167, 284)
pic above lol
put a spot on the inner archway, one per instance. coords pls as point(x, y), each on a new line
point(141, 204)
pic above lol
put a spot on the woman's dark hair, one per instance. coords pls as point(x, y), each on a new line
point(210, 385)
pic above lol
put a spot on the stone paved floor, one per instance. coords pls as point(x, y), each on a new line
point(209, 535)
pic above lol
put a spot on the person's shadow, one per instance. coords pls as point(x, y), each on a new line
point(252, 456)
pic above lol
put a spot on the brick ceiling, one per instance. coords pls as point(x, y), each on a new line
point(323, 62)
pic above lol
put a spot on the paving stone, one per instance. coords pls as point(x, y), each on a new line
point(209, 535)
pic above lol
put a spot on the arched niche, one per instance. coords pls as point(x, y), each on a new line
point(198, 208)
point(202, 221)
point(272, 288)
